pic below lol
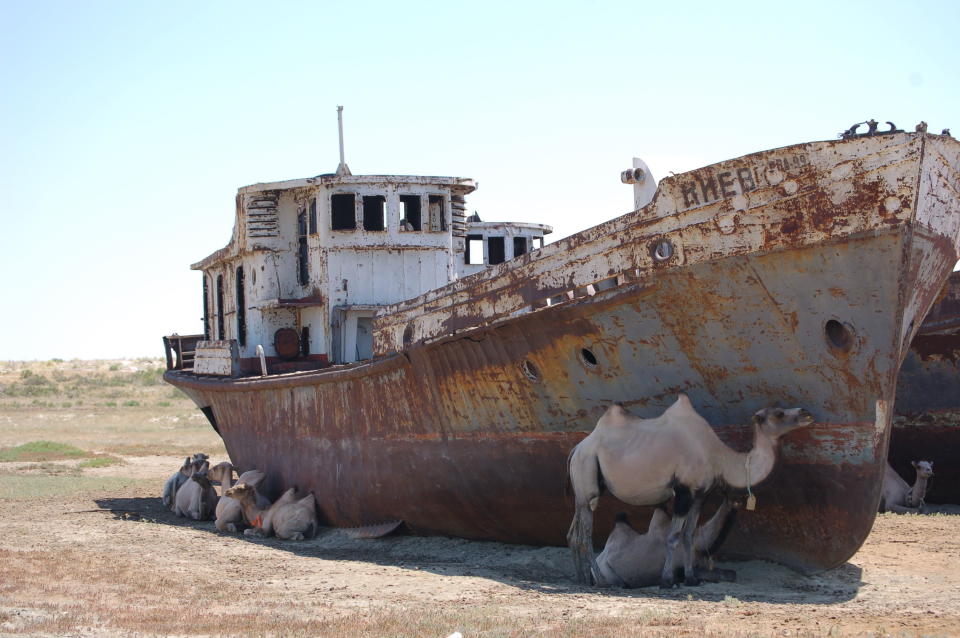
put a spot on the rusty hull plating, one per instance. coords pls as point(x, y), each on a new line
point(796, 276)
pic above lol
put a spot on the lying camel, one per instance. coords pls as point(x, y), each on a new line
point(898, 496)
point(676, 455)
point(196, 498)
point(632, 559)
point(290, 518)
point(179, 478)
point(175, 481)
point(229, 510)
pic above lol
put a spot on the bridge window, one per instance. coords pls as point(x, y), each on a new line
point(438, 217)
point(537, 243)
point(343, 212)
point(221, 330)
point(206, 310)
point(313, 216)
point(374, 212)
point(241, 309)
point(474, 252)
point(409, 212)
point(496, 251)
point(303, 251)
point(519, 246)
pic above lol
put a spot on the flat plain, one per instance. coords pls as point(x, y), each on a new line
point(88, 550)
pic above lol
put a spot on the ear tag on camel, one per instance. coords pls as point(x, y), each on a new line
point(751, 502)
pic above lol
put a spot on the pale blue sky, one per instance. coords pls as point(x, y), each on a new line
point(126, 127)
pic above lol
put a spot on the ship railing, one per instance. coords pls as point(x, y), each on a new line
point(181, 351)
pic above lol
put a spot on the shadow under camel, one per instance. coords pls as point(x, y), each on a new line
point(547, 570)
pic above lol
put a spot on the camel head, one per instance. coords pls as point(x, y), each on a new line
point(775, 422)
point(202, 477)
point(242, 492)
point(924, 468)
point(221, 472)
point(197, 466)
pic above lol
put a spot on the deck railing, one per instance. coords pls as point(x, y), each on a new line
point(180, 351)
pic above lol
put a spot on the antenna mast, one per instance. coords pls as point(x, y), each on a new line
point(342, 169)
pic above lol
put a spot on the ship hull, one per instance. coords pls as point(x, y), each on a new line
point(467, 434)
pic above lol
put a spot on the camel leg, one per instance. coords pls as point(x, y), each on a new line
point(673, 539)
point(580, 540)
point(689, 528)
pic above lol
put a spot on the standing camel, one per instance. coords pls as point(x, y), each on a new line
point(676, 455)
point(898, 496)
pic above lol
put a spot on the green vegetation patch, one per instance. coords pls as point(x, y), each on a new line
point(41, 451)
point(101, 461)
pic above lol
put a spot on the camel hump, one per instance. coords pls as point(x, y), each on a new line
point(309, 501)
point(682, 407)
point(616, 414)
point(251, 477)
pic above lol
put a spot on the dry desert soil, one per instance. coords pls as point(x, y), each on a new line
point(107, 560)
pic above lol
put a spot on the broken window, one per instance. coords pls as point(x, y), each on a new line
point(221, 330)
point(374, 212)
point(409, 212)
point(305, 340)
point(313, 216)
point(537, 243)
point(519, 246)
point(438, 217)
point(496, 253)
point(303, 251)
point(206, 310)
point(343, 215)
point(474, 252)
point(241, 309)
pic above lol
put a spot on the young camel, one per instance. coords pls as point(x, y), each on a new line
point(898, 496)
point(179, 478)
point(196, 498)
point(229, 511)
point(649, 461)
point(290, 518)
point(632, 559)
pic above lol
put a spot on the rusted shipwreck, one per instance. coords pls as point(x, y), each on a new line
point(926, 423)
point(397, 386)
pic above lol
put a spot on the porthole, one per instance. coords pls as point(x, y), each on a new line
point(839, 336)
point(530, 370)
point(587, 357)
point(661, 251)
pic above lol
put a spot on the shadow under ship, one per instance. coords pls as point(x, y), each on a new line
point(795, 277)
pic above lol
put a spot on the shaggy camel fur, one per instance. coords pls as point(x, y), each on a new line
point(290, 518)
point(229, 510)
point(179, 478)
point(898, 496)
point(649, 461)
point(632, 559)
point(196, 498)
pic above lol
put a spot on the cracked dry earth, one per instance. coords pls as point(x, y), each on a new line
point(136, 569)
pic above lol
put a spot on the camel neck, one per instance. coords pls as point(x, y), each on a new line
point(741, 469)
point(917, 493)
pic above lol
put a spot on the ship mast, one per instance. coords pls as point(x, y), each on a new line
point(342, 169)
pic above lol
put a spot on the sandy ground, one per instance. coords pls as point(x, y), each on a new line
point(905, 580)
